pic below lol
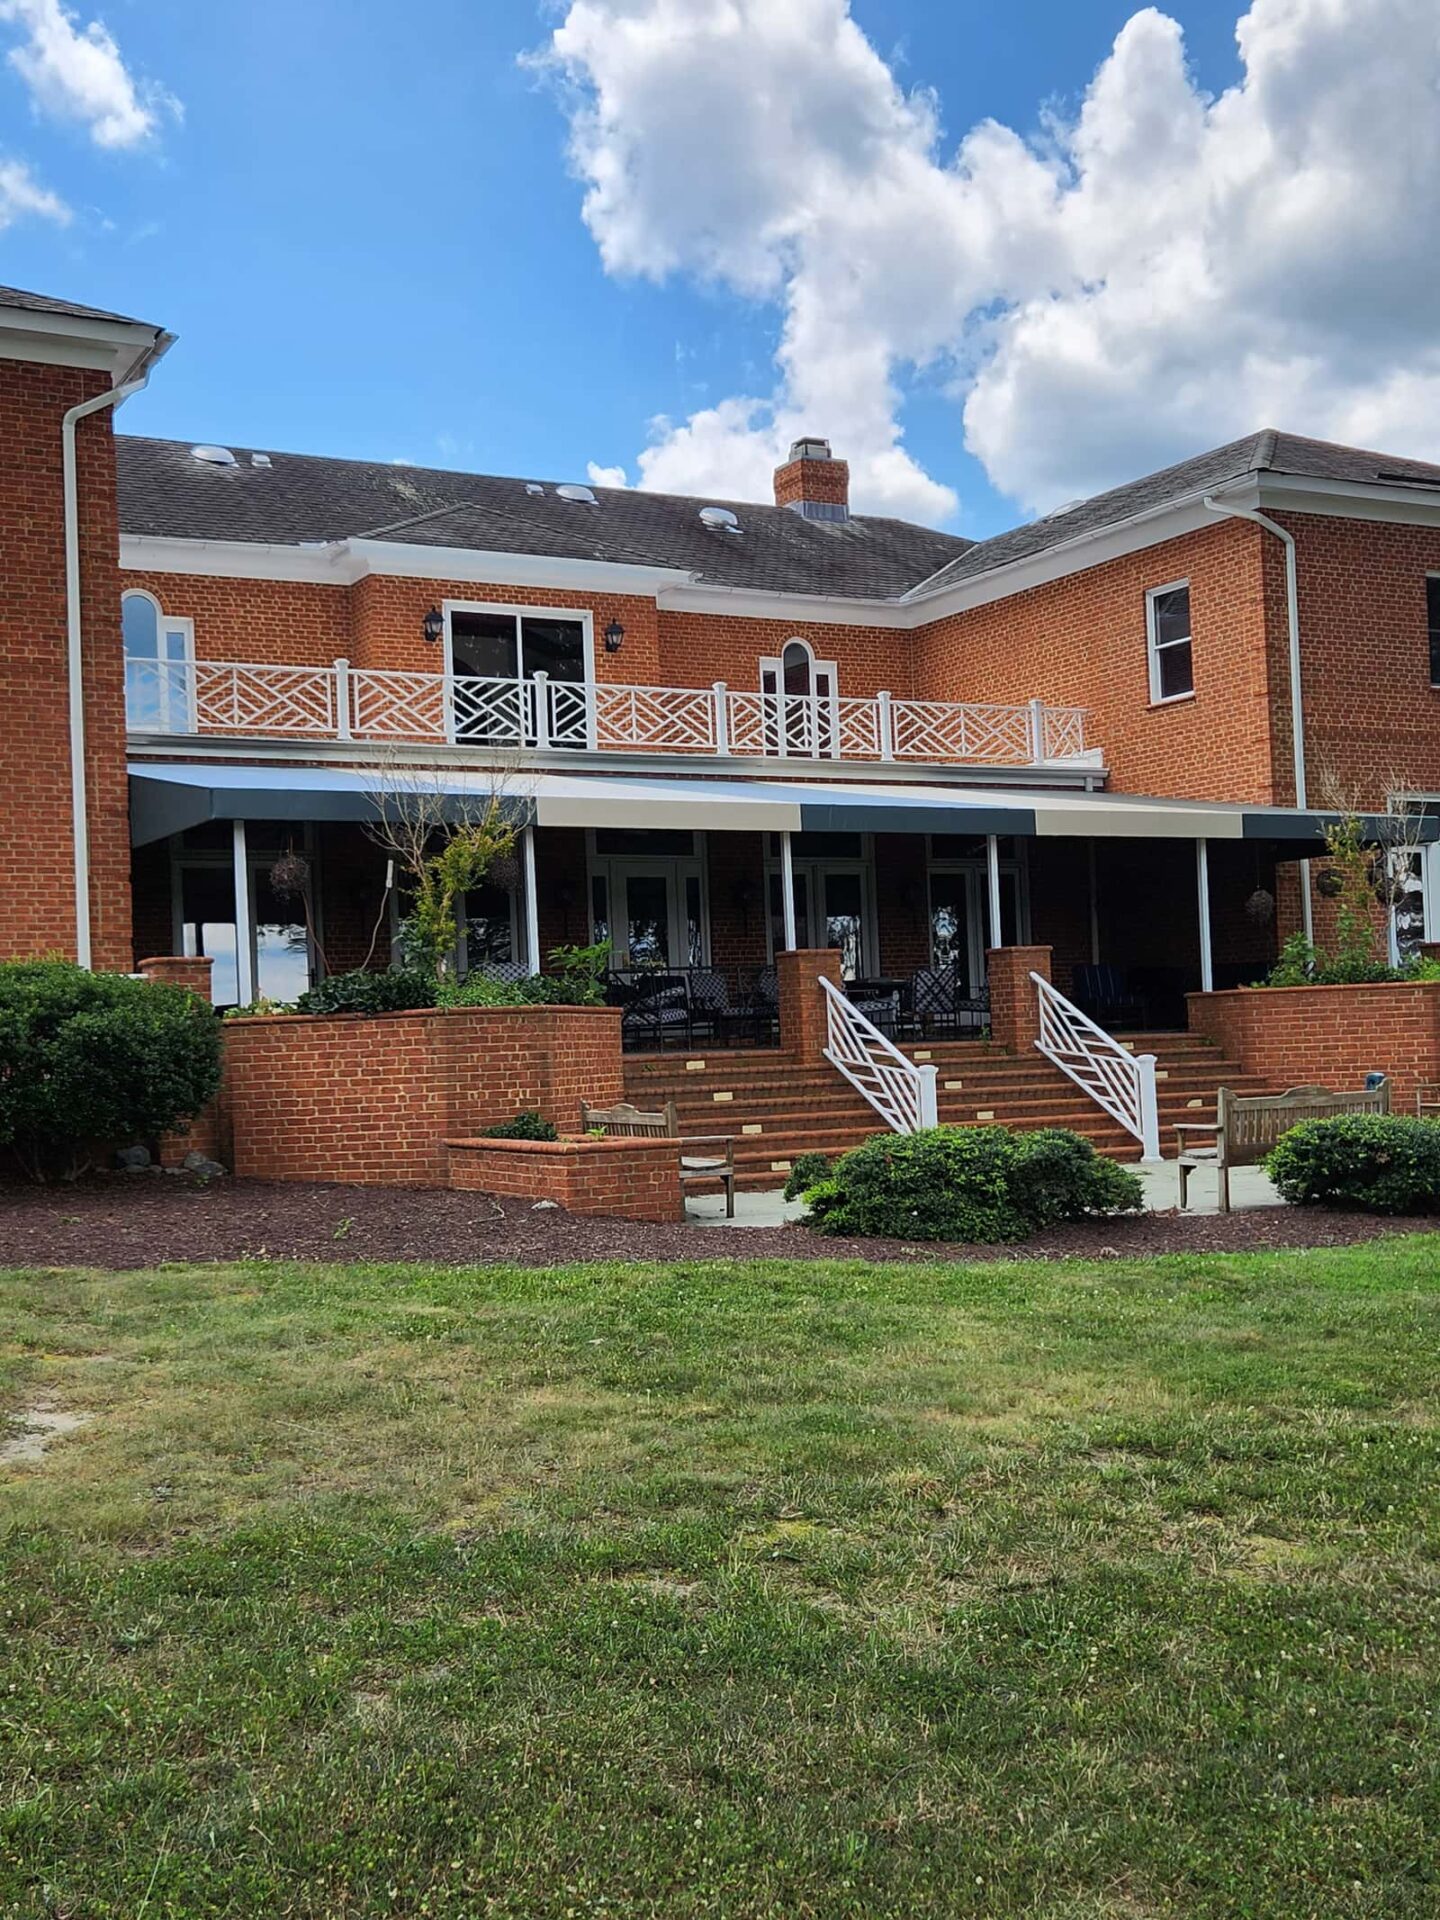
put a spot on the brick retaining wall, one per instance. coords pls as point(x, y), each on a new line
point(1328, 1036)
point(630, 1179)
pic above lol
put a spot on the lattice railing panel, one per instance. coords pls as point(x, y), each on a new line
point(233, 698)
point(944, 730)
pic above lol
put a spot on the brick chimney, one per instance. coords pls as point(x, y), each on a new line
point(813, 483)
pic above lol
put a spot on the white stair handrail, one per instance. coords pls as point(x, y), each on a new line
point(900, 1092)
point(1118, 1081)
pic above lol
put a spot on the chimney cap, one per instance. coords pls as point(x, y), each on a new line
point(810, 448)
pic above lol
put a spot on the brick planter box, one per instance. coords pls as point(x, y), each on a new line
point(629, 1179)
point(373, 1100)
point(1328, 1036)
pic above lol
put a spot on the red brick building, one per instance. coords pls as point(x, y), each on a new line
point(1097, 732)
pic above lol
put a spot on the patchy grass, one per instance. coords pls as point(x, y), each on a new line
point(1099, 1592)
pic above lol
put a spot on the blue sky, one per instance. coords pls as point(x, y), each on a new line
point(365, 231)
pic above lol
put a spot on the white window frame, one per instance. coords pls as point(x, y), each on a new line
point(165, 623)
point(824, 730)
point(257, 862)
point(816, 868)
point(676, 868)
point(519, 612)
point(1154, 647)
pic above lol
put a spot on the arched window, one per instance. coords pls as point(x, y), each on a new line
point(802, 707)
point(159, 663)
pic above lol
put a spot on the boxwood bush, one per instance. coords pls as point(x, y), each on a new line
point(1370, 1162)
point(93, 1060)
point(968, 1183)
point(981, 1184)
point(400, 990)
point(809, 1170)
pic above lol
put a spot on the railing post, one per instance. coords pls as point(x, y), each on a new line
point(1149, 1107)
point(885, 724)
point(541, 684)
point(1037, 731)
point(721, 729)
point(929, 1100)
point(342, 699)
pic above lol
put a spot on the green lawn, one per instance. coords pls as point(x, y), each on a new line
point(1055, 1591)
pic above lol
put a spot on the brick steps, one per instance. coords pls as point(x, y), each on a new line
point(811, 1109)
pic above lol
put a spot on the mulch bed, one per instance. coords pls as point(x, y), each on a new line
point(140, 1220)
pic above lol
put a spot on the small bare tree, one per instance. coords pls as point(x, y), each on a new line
point(1374, 866)
point(442, 844)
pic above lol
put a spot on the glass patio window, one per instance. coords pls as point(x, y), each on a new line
point(1172, 665)
point(1432, 615)
point(159, 689)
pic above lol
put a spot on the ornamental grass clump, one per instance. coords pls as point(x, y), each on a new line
point(95, 1060)
point(1361, 1162)
point(978, 1184)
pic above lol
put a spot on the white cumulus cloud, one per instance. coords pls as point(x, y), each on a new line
point(77, 72)
point(22, 195)
point(1151, 272)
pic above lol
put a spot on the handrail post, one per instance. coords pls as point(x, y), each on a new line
point(342, 700)
point(540, 682)
point(1037, 731)
point(721, 727)
point(885, 724)
point(929, 1102)
point(1149, 1107)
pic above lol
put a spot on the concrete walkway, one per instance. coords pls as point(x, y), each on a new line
point(1249, 1187)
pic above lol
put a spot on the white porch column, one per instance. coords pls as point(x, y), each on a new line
point(787, 891)
point(244, 932)
point(532, 900)
point(992, 866)
point(1202, 885)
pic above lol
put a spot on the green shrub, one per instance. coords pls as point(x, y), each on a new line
point(399, 991)
point(808, 1171)
point(947, 1183)
point(1057, 1175)
point(1303, 965)
point(982, 1184)
point(95, 1059)
point(525, 1126)
point(1372, 1162)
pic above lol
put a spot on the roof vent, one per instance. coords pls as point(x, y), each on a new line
point(261, 460)
point(533, 486)
point(721, 518)
point(214, 456)
point(582, 496)
point(1065, 506)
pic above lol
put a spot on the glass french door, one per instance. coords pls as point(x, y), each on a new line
point(832, 909)
point(802, 708)
point(960, 917)
point(649, 906)
point(493, 655)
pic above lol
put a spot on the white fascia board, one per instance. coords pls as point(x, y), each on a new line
point(752, 603)
point(1086, 550)
point(468, 564)
point(1351, 499)
point(64, 340)
point(235, 559)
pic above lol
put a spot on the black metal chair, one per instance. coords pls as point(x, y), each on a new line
point(882, 1010)
point(510, 971)
point(1103, 992)
point(935, 998)
point(654, 1009)
point(713, 1012)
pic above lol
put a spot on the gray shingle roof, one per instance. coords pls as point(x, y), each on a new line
point(42, 303)
point(1265, 452)
point(165, 491)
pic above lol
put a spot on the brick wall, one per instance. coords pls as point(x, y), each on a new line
point(37, 913)
point(626, 1179)
point(1014, 998)
point(1329, 1036)
point(374, 1100)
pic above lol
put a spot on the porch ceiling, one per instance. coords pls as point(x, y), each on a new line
point(166, 799)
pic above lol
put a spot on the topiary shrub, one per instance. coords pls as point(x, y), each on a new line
point(808, 1171)
point(525, 1126)
point(1057, 1175)
point(1372, 1162)
point(946, 1183)
point(88, 1060)
point(400, 990)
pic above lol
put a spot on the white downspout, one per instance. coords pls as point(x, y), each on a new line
point(1297, 707)
point(79, 810)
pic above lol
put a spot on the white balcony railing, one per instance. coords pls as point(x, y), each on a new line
point(342, 702)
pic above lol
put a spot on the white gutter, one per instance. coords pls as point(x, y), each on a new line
point(1297, 705)
point(74, 656)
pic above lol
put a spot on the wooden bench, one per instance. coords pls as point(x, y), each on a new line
point(626, 1120)
point(1249, 1125)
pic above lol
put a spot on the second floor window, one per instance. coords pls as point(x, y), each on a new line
point(1172, 666)
point(1432, 611)
point(494, 652)
point(159, 657)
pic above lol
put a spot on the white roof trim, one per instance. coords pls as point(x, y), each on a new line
point(65, 340)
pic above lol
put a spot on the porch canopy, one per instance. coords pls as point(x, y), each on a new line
point(166, 799)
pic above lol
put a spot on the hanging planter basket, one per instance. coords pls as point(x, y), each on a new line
point(1329, 884)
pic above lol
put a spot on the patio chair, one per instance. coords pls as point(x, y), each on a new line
point(935, 997)
point(1103, 993)
point(695, 1168)
point(712, 1010)
point(882, 1010)
point(655, 1008)
point(510, 971)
